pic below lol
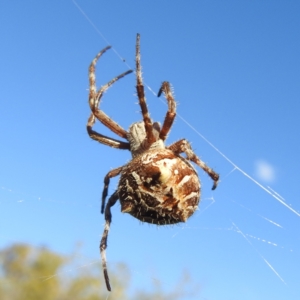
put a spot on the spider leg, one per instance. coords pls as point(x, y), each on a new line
point(101, 116)
point(102, 138)
point(171, 113)
point(103, 244)
point(110, 174)
point(95, 97)
point(184, 146)
point(141, 94)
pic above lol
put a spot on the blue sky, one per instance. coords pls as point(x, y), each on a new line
point(235, 69)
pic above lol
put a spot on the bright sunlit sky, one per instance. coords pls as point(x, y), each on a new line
point(235, 69)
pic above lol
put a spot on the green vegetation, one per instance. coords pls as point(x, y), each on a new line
point(28, 273)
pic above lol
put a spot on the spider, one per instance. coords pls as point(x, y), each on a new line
point(158, 185)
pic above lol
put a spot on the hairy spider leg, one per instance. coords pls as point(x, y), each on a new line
point(101, 116)
point(113, 173)
point(184, 146)
point(103, 139)
point(94, 101)
point(141, 95)
point(92, 78)
point(171, 113)
point(103, 244)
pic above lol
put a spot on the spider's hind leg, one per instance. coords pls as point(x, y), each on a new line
point(103, 244)
point(110, 174)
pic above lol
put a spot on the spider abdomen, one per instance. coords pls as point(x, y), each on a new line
point(159, 187)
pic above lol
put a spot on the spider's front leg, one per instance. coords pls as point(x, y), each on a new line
point(94, 102)
point(103, 244)
point(171, 113)
point(184, 146)
point(103, 139)
point(141, 95)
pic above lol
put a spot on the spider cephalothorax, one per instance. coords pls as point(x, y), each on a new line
point(158, 185)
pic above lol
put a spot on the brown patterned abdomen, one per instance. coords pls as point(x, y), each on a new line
point(159, 187)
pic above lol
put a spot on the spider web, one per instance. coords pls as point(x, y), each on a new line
point(261, 242)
